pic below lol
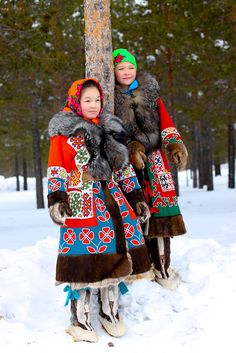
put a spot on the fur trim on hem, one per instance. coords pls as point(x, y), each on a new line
point(168, 226)
point(149, 275)
point(100, 284)
point(96, 285)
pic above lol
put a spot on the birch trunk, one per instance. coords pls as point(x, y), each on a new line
point(98, 47)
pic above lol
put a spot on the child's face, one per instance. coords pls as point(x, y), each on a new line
point(90, 102)
point(125, 74)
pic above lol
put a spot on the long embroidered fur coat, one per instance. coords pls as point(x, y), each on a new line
point(102, 243)
point(152, 134)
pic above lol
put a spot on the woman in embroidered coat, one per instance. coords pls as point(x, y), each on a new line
point(152, 141)
point(101, 242)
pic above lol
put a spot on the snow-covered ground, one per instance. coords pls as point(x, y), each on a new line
point(199, 316)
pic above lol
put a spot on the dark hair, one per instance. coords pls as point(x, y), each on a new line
point(89, 84)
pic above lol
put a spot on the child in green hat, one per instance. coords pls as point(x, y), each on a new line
point(153, 141)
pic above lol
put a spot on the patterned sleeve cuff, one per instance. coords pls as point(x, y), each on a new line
point(57, 185)
point(127, 179)
point(170, 135)
point(57, 179)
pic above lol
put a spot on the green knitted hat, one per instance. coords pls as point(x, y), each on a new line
point(124, 55)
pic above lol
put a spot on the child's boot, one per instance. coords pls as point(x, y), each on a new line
point(108, 314)
point(166, 276)
point(80, 328)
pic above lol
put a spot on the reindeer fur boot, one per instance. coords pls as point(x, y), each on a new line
point(80, 328)
point(108, 314)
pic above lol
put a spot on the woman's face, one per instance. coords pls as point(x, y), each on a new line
point(90, 102)
point(125, 74)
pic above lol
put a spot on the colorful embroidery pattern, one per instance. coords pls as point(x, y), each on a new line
point(56, 172)
point(56, 185)
point(170, 135)
point(163, 200)
point(124, 173)
point(81, 201)
point(83, 156)
point(126, 179)
point(166, 181)
point(76, 142)
point(99, 238)
point(75, 179)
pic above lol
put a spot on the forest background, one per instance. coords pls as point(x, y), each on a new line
point(188, 46)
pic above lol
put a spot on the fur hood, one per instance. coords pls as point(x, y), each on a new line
point(105, 141)
point(139, 112)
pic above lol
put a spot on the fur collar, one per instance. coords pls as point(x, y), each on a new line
point(139, 112)
point(105, 141)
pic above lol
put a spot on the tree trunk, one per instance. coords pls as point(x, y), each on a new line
point(209, 158)
point(98, 46)
point(25, 175)
point(199, 146)
point(17, 172)
point(37, 158)
point(217, 169)
point(231, 156)
point(194, 157)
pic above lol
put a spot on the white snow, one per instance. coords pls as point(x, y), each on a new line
point(197, 317)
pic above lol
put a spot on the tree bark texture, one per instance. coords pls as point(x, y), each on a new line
point(17, 171)
point(199, 144)
point(231, 156)
point(209, 158)
point(25, 174)
point(217, 169)
point(194, 159)
point(98, 47)
point(37, 158)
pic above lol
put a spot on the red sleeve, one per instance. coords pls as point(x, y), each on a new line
point(165, 119)
point(60, 153)
point(169, 133)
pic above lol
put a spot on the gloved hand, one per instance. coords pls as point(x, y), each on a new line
point(59, 212)
point(178, 154)
point(142, 211)
point(137, 155)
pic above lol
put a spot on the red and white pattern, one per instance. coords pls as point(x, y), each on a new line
point(128, 185)
point(76, 142)
point(86, 236)
point(56, 172)
point(106, 234)
point(54, 185)
point(125, 173)
point(69, 237)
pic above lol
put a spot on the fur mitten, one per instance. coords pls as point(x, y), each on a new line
point(137, 155)
point(142, 211)
point(59, 212)
point(177, 154)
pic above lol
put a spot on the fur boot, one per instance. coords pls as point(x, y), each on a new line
point(171, 282)
point(159, 251)
point(80, 328)
point(108, 314)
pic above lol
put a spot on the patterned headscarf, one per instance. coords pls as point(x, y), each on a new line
point(73, 100)
point(124, 55)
